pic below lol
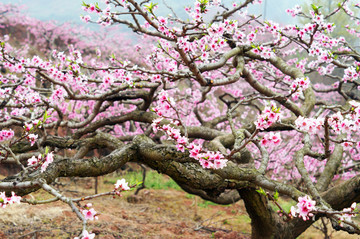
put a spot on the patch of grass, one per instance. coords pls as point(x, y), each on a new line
point(243, 219)
point(189, 196)
point(205, 204)
point(153, 180)
point(41, 195)
point(284, 203)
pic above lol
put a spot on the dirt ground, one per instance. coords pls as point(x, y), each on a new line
point(152, 214)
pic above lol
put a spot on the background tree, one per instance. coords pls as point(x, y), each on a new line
point(343, 23)
point(232, 93)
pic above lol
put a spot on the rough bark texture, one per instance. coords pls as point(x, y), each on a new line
point(262, 221)
point(224, 186)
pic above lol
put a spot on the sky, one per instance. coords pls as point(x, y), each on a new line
point(60, 10)
point(70, 10)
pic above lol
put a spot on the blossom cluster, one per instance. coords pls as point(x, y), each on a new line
point(272, 27)
point(264, 52)
point(207, 159)
point(6, 135)
point(58, 95)
point(165, 104)
point(86, 235)
point(271, 139)
point(200, 7)
point(304, 208)
point(121, 185)
point(270, 115)
point(89, 212)
point(339, 122)
point(346, 122)
point(29, 126)
point(104, 15)
point(347, 213)
point(85, 18)
point(23, 95)
point(351, 74)
point(91, 8)
point(34, 161)
point(299, 85)
point(4, 200)
point(32, 138)
point(310, 125)
point(294, 11)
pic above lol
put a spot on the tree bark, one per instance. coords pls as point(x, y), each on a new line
point(219, 186)
point(262, 221)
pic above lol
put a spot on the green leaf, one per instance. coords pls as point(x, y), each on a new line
point(261, 191)
point(314, 7)
point(276, 195)
point(38, 123)
point(275, 109)
point(46, 116)
point(203, 4)
point(46, 150)
point(150, 7)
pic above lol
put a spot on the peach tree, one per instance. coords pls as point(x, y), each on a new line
point(230, 106)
